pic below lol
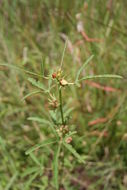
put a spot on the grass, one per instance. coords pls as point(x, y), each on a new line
point(32, 38)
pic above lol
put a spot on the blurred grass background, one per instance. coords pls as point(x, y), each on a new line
point(31, 31)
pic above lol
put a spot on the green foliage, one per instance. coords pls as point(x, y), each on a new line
point(40, 120)
point(73, 151)
point(37, 84)
point(37, 146)
point(56, 166)
point(101, 76)
point(29, 171)
point(12, 180)
point(82, 67)
point(30, 94)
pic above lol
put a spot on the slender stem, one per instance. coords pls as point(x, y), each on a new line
point(61, 104)
point(62, 119)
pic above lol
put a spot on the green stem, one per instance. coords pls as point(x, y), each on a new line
point(61, 105)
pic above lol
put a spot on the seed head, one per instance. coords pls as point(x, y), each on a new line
point(64, 129)
point(68, 140)
point(63, 82)
point(59, 133)
point(54, 104)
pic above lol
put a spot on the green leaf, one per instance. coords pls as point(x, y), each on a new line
point(44, 121)
point(82, 67)
point(49, 84)
point(40, 120)
point(34, 158)
point(53, 115)
point(30, 180)
point(37, 146)
point(63, 54)
point(37, 84)
point(11, 181)
point(43, 66)
point(73, 151)
point(20, 69)
point(68, 111)
point(2, 143)
point(30, 94)
point(101, 76)
point(70, 134)
point(55, 166)
point(30, 170)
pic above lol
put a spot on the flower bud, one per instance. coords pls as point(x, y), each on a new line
point(54, 75)
point(59, 73)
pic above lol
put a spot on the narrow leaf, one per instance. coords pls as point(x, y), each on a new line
point(29, 171)
point(40, 120)
point(42, 67)
point(30, 94)
point(66, 113)
point(63, 53)
point(30, 180)
point(20, 69)
point(9, 185)
point(34, 158)
point(49, 84)
point(55, 166)
point(44, 121)
point(83, 66)
point(101, 76)
point(37, 146)
point(73, 151)
point(37, 84)
point(70, 134)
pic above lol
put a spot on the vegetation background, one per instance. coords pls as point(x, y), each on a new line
point(35, 30)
